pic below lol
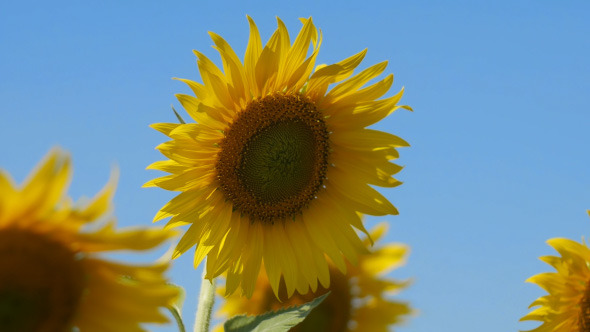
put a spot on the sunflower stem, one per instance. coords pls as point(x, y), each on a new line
point(205, 305)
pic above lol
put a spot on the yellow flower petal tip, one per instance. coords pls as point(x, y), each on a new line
point(49, 264)
point(275, 166)
point(360, 300)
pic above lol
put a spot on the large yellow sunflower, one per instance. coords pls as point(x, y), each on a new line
point(358, 300)
point(51, 278)
point(567, 306)
point(276, 168)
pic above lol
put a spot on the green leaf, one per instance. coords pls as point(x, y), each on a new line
point(276, 321)
point(180, 119)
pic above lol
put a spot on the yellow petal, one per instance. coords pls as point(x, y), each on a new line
point(101, 203)
point(355, 82)
point(253, 52)
point(169, 166)
point(214, 78)
point(198, 89)
point(46, 186)
point(326, 75)
point(253, 259)
point(188, 240)
point(164, 128)
point(367, 139)
point(107, 239)
point(322, 240)
point(385, 259)
point(361, 196)
point(232, 66)
point(297, 53)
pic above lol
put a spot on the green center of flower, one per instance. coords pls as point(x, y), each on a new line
point(41, 283)
point(273, 158)
point(278, 163)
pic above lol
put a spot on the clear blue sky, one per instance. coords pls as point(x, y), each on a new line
point(500, 135)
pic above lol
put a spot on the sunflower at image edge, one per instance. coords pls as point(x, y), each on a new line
point(51, 278)
point(566, 307)
point(276, 168)
point(359, 300)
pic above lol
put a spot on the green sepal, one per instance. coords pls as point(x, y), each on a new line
point(180, 119)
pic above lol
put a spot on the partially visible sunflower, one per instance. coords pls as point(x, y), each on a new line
point(51, 278)
point(276, 168)
point(567, 306)
point(359, 300)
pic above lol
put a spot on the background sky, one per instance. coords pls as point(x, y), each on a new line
point(500, 135)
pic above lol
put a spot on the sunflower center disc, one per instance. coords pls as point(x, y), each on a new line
point(273, 158)
point(278, 162)
point(41, 283)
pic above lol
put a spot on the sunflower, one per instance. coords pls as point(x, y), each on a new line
point(357, 301)
point(567, 306)
point(276, 168)
point(51, 278)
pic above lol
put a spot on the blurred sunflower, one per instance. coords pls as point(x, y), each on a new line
point(50, 276)
point(357, 301)
point(277, 168)
point(567, 306)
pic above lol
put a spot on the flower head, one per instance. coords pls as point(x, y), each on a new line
point(358, 300)
point(51, 278)
point(567, 306)
point(276, 168)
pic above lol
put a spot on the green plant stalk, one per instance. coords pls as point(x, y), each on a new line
point(205, 305)
point(176, 314)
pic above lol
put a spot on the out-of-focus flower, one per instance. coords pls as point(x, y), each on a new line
point(51, 277)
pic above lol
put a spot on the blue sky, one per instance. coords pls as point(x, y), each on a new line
point(500, 133)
